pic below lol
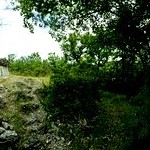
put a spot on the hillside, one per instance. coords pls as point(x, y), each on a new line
point(24, 123)
point(22, 118)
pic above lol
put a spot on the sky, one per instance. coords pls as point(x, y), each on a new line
point(15, 39)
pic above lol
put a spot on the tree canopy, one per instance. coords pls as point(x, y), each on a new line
point(117, 23)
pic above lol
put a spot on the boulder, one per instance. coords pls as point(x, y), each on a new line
point(2, 88)
point(2, 130)
point(7, 126)
point(8, 136)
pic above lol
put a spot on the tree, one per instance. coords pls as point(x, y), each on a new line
point(11, 57)
point(31, 65)
point(117, 24)
point(118, 28)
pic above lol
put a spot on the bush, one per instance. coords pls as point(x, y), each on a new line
point(31, 65)
point(86, 116)
point(71, 99)
point(142, 129)
point(73, 104)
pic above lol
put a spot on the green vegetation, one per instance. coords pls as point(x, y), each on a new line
point(22, 109)
point(87, 116)
point(98, 97)
point(31, 65)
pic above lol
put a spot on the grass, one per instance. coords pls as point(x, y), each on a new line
point(12, 112)
point(115, 123)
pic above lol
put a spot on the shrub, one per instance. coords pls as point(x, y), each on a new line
point(73, 104)
point(71, 99)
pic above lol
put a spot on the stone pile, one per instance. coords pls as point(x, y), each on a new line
point(8, 137)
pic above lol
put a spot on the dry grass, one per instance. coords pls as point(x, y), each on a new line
point(12, 78)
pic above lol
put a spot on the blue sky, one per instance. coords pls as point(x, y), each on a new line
point(15, 39)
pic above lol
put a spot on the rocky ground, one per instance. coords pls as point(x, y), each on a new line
point(22, 119)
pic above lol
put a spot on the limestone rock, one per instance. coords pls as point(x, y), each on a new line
point(7, 126)
point(2, 130)
point(2, 88)
point(23, 109)
point(8, 136)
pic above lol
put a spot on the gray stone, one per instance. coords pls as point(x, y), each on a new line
point(2, 89)
point(32, 143)
point(28, 107)
point(4, 71)
point(7, 126)
point(2, 130)
point(9, 136)
point(19, 95)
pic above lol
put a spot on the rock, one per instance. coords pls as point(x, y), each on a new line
point(32, 144)
point(21, 85)
point(30, 119)
point(8, 136)
point(2, 130)
point(2, 89)
point(19, 95)
point(28, 107)
point(7, 126)
point(23, 108)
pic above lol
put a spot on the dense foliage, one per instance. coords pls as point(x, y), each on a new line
point(106, 48)
point(119, 29)
point(124, 24)
point(80, 110)
point(32, 65)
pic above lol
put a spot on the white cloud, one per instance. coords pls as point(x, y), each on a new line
point(15, 39)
